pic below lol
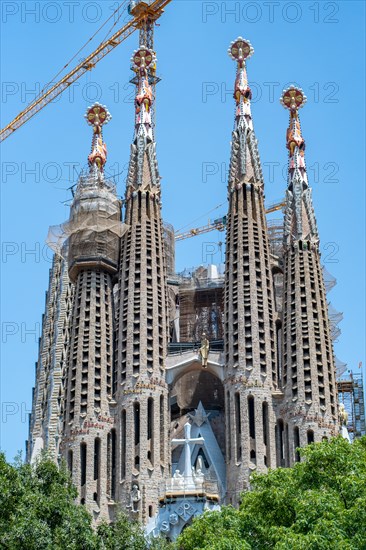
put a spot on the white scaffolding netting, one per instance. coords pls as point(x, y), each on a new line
point(329, 280)
point(341, 367)
point(335, 317)
point(95, 214)
point(96, 223)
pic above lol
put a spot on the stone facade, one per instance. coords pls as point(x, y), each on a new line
point(250, 352)
point(142, 325)
point(308, 377)
point(122, 373)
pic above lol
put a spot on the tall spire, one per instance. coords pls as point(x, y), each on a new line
point(300, 223)
point(240, 51)
point(143, 171)
point(245, 163)
point(96, 116)
point(140, 389)
point(250, 351)
point(94, 231)
point(308, 373)
point(142, 59)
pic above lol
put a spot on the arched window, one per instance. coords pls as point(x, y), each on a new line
point(280, 443)
point(96, 458)
point(251, 416)
point(70, 460)
point(265, 418)
point(113, 463)
point(296, 443)
point(238, 426)
point(310, 436)
point(123, 444)
point(136, 415)
point(150, 429)
point(228, 425)
point(162, 430)
point(82, 464)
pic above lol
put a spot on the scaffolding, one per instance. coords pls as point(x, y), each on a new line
point(275, 236)
point(351, 394)
point(201, 305)
point(359, 404)
point(169, 248)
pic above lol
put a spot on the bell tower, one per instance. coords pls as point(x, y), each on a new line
point(94, 230)
point(142, 330)
point(250, 352)
point(310, 409)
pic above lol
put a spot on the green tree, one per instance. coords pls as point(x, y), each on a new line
point(123, 534)
point(38, 510)
point(320, 503)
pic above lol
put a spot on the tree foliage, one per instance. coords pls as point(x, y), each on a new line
point(319, 504)
point(38, 512)
point(37, 509)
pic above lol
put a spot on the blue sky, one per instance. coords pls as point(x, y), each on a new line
point(318, 45)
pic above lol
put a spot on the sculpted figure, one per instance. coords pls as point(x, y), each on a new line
point(135, 497)
point(343, 415)
point(204, 350)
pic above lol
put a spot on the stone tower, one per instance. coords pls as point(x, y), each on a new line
point(143, 457)
point(250, 353)
point(94, 229)
point(45, 429)
point(164, 424)
point(309, 411)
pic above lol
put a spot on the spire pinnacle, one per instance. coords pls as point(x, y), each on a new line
point(96, 116)
point(240, 50)
point(293, 99)
point(143, 173)
point(299, 217)
point(245, 162)
point(142, 59)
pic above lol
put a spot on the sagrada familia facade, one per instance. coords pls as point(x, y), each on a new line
point(163, 394)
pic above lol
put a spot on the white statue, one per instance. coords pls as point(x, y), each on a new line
point(199, 477)
point(199, 464)
point(178, 479)
point(343, 417)
point(135, 497)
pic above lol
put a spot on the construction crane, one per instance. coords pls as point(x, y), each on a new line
point(220, 224)
point(275, 206)
point(144, 16)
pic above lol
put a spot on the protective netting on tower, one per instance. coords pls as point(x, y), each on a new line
point(341, 367)
point(329, 280)
point(95, 214)
point(335, 317)
point(169, 248)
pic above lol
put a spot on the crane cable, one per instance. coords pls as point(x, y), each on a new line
point(86, 43)
point(194, 221)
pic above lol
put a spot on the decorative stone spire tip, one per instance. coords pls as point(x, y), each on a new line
point(96, 116)
point(293, 98)
point(240, 50)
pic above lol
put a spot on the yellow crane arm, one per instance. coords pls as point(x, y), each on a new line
point(220, 224)
point(217, 224)
point(152, 11)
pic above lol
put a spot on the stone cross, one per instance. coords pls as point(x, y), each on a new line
point(187, 441)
